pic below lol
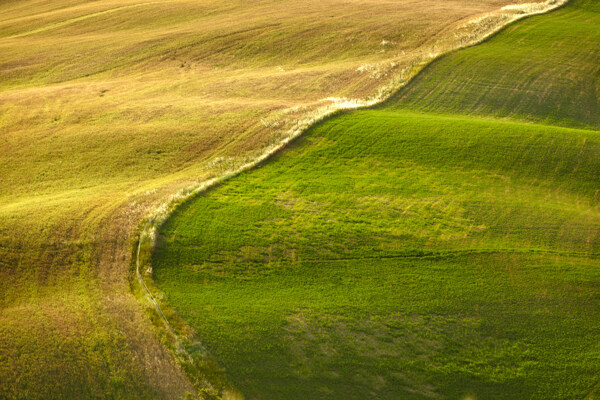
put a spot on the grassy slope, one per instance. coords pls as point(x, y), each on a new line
point(544, 70)
point(394, 254)
point(108, 106)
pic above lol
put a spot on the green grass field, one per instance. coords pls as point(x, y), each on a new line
point(422, 249)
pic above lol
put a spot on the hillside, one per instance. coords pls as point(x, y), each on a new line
point(109, 107)
point(442, 245)
point(543, 70)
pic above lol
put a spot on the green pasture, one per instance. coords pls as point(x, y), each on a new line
point(424, 249)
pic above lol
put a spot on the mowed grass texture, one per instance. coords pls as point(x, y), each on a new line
point(392, 253)
point(107, 108)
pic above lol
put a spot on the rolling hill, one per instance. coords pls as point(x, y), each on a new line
point(442, 245)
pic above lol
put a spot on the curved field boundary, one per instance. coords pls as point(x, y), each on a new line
point(470, 33)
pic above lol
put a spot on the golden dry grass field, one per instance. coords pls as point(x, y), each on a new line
point(108, 107)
